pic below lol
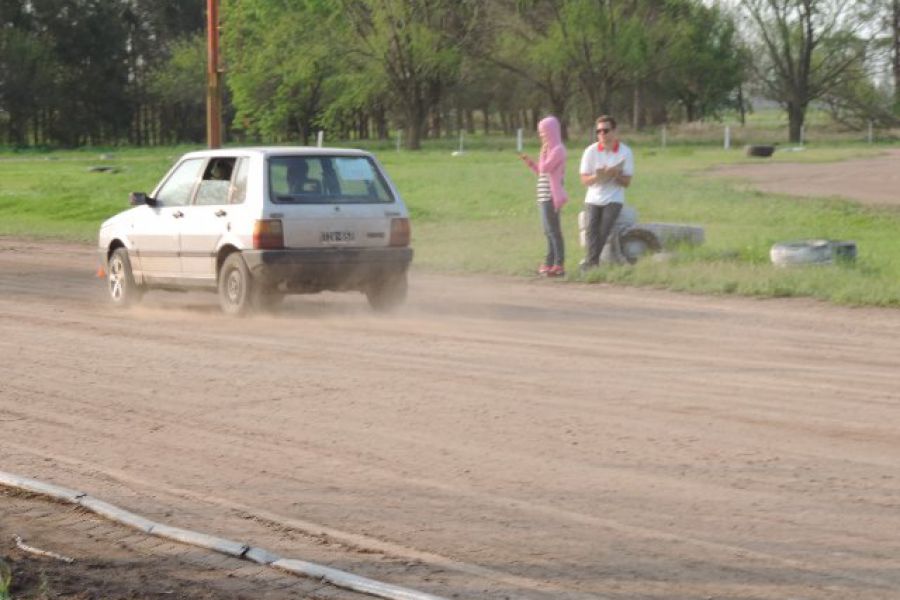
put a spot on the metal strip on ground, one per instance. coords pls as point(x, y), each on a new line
point(336, 577)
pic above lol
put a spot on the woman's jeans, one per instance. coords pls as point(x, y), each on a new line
point(600, 221)
point(556, 249)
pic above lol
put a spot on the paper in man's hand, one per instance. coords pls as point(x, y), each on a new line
point(605, 174)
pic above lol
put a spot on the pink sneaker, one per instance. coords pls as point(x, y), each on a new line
point(544, 270)
point(556, 271)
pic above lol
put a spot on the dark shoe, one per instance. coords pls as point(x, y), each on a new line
point(585, 266)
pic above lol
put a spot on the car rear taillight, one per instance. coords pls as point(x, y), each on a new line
point(399, 232)
point(268, 234)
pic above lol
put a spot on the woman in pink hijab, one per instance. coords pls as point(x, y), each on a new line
point(551, 194)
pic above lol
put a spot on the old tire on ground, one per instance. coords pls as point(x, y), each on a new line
point(388, 294)
point(671, 235)
point(123, 291)
point(235, 286)
point(843, 251)
point(760, 151)
point(803, 252)
point(636, 242)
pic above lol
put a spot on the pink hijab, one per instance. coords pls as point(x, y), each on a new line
point(552, 160)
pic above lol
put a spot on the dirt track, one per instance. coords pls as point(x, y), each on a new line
point(496, 439)
point(873, 181)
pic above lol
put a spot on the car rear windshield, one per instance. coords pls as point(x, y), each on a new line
point(326, 180)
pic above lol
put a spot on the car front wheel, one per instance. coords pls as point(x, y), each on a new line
point(123, 291)
point(235, 286)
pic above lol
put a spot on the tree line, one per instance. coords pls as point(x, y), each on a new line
point(92, 72)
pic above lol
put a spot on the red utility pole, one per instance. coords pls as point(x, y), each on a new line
point(213, 90)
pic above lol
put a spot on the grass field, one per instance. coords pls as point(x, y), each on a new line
point(476, 213)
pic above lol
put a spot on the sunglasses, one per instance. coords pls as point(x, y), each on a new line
point(602, 130)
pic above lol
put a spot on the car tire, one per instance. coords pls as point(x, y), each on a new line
point(123, 291)
point(812, 252)
point(671, 235)
point(843, 251)
point(388, 294)
point(760, 151)
point(804, 252)
point(235, 286)
point(636, 242)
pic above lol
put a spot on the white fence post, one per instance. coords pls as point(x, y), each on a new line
point(320, 138)
point(727, 137)
point(519, 140)
point(871, 137)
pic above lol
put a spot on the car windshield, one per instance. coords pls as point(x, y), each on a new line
point(326, 180)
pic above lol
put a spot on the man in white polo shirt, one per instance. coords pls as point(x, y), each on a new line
point(606, 169)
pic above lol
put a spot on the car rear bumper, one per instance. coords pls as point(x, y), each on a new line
point(317, 269)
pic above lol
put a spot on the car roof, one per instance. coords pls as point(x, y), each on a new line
point(266, 151)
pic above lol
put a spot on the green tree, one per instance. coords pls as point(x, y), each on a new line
point(158, 30)
point(27, 73)
point(177, 89)
point(281, 57)
point(603, 56)
point(75, 71)
point(893, 28)
point(527, 35)
point(857, 102)
point(485, 87)
point(707, 63)
point(805, 48)
point(88, 40)
point(612, 46)
point(415, 48)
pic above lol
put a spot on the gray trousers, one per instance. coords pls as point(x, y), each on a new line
point(600, 221)
point(556, 247)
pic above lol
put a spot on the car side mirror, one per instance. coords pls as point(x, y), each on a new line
point(140, 198)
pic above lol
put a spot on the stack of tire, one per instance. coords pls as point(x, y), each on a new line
point(812, 252)
point(630, 240)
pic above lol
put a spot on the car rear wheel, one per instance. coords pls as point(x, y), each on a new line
point(235, 286)
point(123, 291)
point(388, 294)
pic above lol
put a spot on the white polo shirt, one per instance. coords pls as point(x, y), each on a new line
point(596, 156)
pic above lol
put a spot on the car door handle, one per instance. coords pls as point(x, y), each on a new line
point(177, 214)
point(220, 213)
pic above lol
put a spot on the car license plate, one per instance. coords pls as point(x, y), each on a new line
point(329, 237)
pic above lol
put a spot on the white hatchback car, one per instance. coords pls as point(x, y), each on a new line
point(255, 224)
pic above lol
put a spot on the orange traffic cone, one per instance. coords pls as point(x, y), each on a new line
point(101, 272)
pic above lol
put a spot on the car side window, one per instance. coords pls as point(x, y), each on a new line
point(216, 182)
point(239, 182)
point(177, 189)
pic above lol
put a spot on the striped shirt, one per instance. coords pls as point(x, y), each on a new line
point(543, 188)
